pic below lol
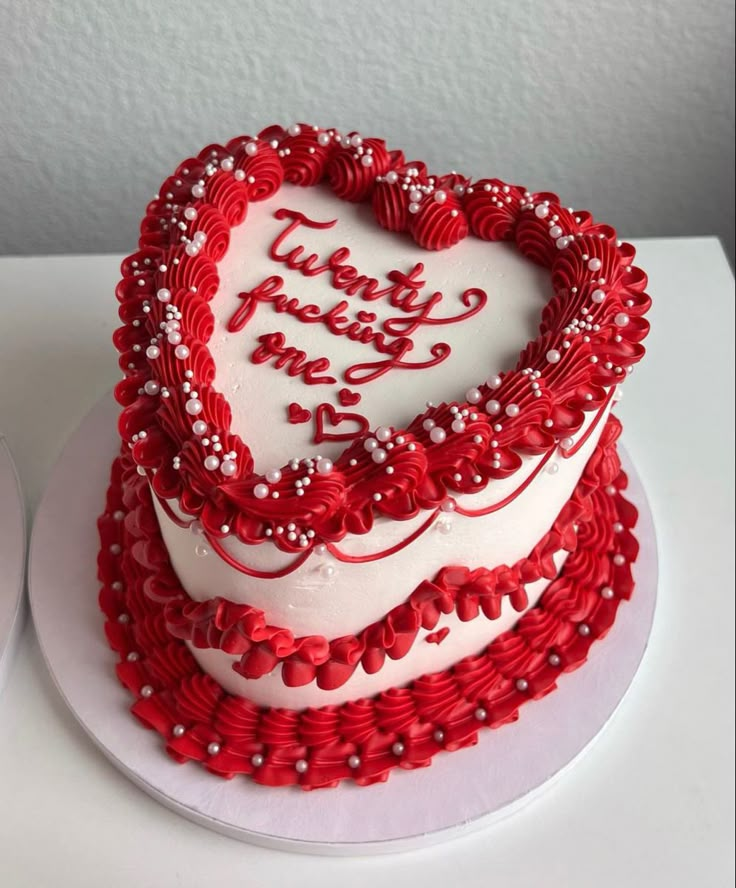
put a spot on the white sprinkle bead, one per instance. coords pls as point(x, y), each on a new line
point(555, 232)
point(541, 211)
point(398, 748)
point(554, 660)
point(458, 426)
point(301, 766)
point(473, 396)
point(567, 443)
point(584, 630)
point(383, 433)
point(428, 425)
point(370, 445)
point(493, 407)
point(522, 685)
point(595, 264)
point(151, 387)
point(178, 730)
point(553, 356)
point(198, 191)
point(213, 748)
point(260, 491)
point(146, 691)
point(621, 319)
point(211, 463)
point(174, 338)
point(354, 761)
point(439, 736)
point(228, 468)
point(163, 295)
point(598, 296)
point(153, 352)
point(181, 352)
point(494, 382)
point(199, 427)
point(437, 435)
point(481, 714)
point(251, 148)
point(379, 455)
point(619, 560)
point(513, 410)
point(607, 592)
point(324, 466)
point(273, 476)
point(193, 407)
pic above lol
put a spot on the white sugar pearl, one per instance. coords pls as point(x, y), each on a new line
point(584, 630)
point(428, 425)
point(163, 295)
point(260, 491)
point(458, 426)
point(198, 191)
point(414, 208)
point(151, 387)
point(493, 407)
point(513, 410)
point(553, 356)
point(555, 232)
point(392, 177)
point(273, 476)
point(473, 396)
point(439, 736)
point(440, 196)
point(178, 730)
point(174, 338)
point(367, 160)
point(494, 382)
point(181, 352)
point(607, 592)
point(437, 435)
point(541, 211)
point(522, 685)
point(370, 445)
point(595, 264)
point(621, 319)
point(398, 748)
point(354, 761)
point(323, 139)
point(153, 352)
point(567, 443)
point(554, 660)
point(619, 560)
point(251, 148)
point(193, 407)
point(199, 427)
point(415, 196)
point(146, 691)
point(325, 466)
point(379, 455)
point(211, 463)
point(598, 296)
point(228, 467)
point(383, 433)
point(213, 748)
point(327, 571)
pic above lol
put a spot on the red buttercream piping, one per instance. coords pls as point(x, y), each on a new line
point(362, 740)
point(594, 324)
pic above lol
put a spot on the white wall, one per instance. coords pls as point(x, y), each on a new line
point(625, 108)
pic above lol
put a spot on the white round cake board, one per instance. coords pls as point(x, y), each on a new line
point(12, 561)
point(460, 792)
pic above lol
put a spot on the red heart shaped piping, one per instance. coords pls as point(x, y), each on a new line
point(298, 414)
point(348, 398)
point(327, 410)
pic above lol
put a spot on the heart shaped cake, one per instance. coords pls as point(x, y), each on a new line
point(368, 500)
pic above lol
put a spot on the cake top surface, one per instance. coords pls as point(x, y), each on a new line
point(267, 385)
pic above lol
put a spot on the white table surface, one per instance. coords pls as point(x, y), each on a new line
point(652, 805)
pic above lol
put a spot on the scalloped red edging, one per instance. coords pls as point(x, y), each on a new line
point(590, 335)
point(364, 739)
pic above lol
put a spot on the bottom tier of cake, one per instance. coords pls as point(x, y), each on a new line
point(361, 739)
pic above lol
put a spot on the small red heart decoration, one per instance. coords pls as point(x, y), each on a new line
point(439, 636)
point(366, 317)
point(336, 419)
point(298, 414)
point(348, 398)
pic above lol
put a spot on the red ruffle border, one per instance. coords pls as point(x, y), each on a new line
point(363, 739)
point(591, 333)
point(243, 630)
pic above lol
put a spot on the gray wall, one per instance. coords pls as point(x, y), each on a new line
point(625, 108)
